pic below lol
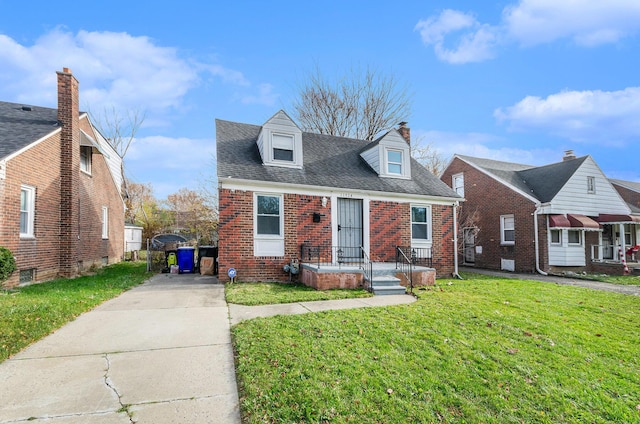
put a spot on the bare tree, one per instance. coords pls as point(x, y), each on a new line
point(358, 105)
point(428, 156)
point(120, 130)
point(193, 214)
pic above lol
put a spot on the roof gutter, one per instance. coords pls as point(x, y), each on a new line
point(535, 231)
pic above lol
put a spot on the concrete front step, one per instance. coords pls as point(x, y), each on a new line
point(385, 285)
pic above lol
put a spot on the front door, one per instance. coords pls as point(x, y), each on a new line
point(349, 230)
point(469, 245)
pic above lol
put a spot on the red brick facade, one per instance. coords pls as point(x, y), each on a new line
point(488, 199)
point(389, 225)
point(68, 209)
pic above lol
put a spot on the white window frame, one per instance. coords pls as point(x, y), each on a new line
point(29, 211)
point(504, 220)
point(591, 185)
point(105, 222)
point(417, 241)
point(388, 162)
point(268, 244)
point(579, 232)
point(85, 164)
point(457, 182)
point(290, 145)
point(555, 243)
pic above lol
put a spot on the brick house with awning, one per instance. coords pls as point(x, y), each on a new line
point(283, 190)
point(566, 216)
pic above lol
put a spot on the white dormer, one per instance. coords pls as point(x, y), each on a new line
point(389, 156)
point(280, 142)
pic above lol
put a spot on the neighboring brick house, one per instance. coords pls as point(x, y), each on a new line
point(281, 188)
point(61, 211)
point(565, 216)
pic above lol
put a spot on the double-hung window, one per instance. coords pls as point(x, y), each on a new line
point(591, 185)
point(85, 158)
point(574, 237)
point(507, 229)
point(458, 184)
point(394, 162)
point(556, 237)
point(420, 224)
point(269, 225)
point(282, 147)
point(27, 210)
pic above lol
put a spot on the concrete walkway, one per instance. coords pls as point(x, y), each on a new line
point(159, 353)
point(595, 285)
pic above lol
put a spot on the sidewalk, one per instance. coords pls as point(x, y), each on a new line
point(159, 353)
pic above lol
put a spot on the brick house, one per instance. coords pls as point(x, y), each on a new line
point(282, 190)
point(565, 216)
point(61, 211)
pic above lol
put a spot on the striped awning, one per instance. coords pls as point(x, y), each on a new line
point(573, 221)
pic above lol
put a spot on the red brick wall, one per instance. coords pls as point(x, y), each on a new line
point(390, 226)
point(629, 196)
point(443, 234)
point(491, 199)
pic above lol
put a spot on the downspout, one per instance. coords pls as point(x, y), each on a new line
point(455, 241)
point(535, 230)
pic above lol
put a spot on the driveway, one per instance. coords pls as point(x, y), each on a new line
point(595, 285)
point(159, 353)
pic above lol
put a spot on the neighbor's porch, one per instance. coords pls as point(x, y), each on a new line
point(331, 267)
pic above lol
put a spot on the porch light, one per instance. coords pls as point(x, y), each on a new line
point(324, 201)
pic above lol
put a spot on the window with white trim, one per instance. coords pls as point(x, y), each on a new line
point(27, 210)
point(282, 147)
point(458, 184)
point(591, 185)
point(574, 237)
point(507, 229)
point(105, 222)
point(268, 218)
point(556, 237)
point(394, 162)
point(85, 158)
point(420, 218)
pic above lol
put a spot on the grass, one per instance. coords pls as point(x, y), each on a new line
point(485, 349)
point(252, 294)
point(629, 280)
point(29, 313)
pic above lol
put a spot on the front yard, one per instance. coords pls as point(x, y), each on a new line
point(485, 349)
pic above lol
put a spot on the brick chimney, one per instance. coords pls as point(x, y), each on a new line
point(568, 155)
point(405, 132)
point(68, 118)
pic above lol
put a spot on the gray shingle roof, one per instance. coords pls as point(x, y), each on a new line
point(541, 182)
point(19, 128)
point(329, 161)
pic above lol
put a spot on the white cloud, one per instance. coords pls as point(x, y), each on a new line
point(114, 69)
point(476, 42)
point(265, 96)
point(530, 22)
point(609, 117)
point(587, 22)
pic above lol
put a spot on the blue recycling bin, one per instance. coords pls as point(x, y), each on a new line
point(185, 259)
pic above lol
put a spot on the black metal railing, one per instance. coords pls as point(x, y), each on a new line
point(404, 264)
point(367, 271)
point(323, 255)
point(420, 256)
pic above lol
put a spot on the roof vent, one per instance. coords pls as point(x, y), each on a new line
point(26, 108)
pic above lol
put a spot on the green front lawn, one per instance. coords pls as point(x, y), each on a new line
point(482, 350)
point(252, 294)
point(27, 314)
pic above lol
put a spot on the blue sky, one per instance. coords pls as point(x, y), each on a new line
point(513, 80)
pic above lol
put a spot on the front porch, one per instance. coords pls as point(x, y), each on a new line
point(325, 268)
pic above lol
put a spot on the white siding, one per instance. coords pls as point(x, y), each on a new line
point(566, 254)
point(372, 156)
point(573, 197)
point(280, 123)
point(393, 140)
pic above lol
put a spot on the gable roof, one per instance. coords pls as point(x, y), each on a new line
point(19, 127)
point(542, 182)
point(630, 185)
point(329, 161)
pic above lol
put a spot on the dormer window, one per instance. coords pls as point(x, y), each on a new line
point(394, 162)
point(282, 147)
